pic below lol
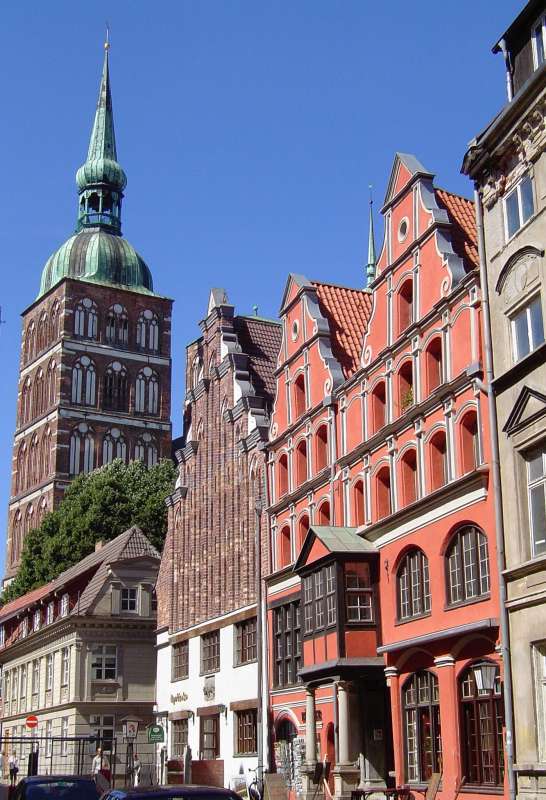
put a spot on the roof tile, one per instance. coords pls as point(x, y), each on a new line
point(461, 214)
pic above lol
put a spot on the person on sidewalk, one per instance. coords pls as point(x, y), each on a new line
point(13, 763)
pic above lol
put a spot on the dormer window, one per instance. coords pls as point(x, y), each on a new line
point(539, 42)
point(65, 604)
point(50, 612)
point(2, 636)
point(129, 599)
point(24, 627)
point(518, 206)
point(36, 620)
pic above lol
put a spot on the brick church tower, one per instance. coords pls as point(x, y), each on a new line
point(95, 370)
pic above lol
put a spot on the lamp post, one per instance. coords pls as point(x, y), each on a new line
point(130, 731)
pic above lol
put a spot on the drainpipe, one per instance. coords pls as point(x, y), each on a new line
point(333, 453)
point(497, 495)
point(259, 507)
point(508, 63)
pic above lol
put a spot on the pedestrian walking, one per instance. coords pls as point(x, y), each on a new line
point(13, 763)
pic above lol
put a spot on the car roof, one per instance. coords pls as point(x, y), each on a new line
point(170, 791)
point(51, 778)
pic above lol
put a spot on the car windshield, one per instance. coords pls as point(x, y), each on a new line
point(62, 790)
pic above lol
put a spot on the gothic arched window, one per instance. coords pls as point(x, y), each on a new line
point(113, 446)
point(45, 454)
point(146, 450)
point(30, 342)
point(43, 331)
point(147, 392)
point(26, 401)
point(84, 380)
point(16, 537)
point(147, 331)
point(21, 478)
point(38, 394)
point(86, 319)
point(413, 585)
point(115, 387)
point(82, 449)
point(51, 394)
point(117, 326)
point(54, 320)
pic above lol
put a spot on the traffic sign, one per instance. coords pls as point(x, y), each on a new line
point(155, 734)
point(31, 721)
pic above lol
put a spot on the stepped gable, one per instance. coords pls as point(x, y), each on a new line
point(464, 235)
point(130, 544)
point(347, 311)
point(260, 339)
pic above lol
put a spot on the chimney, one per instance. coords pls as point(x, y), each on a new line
point(99, 544)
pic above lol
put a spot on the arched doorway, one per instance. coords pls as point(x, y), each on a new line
point(286, 756)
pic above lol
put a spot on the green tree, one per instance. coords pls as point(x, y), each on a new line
point(100, 505)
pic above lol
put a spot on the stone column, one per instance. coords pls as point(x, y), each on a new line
point(346, 772)
point(447, 685)
point(393, 682)
point(310, 727)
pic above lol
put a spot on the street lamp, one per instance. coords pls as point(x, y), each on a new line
point(130, 731)
point(484, 675)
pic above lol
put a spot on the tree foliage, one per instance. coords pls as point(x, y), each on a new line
point(99, 505)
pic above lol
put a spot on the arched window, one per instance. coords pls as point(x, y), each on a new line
point(115, 387)
point(301, 462)
point(285, 551)
point(42, 337)
point(481, 711)
point(45, 454)
point(117, 326)
point(28, 519)
point(470, 447)
point(147, 392)
point(147, 332)
point(379, 406)
point(146, 450)
point(38, 394)
point(84, 381)
point(421, 701)
point(358, 503)
point(54, 321)
point(86, 319)
point(321, 448)
point(51, 383)
point(113, 446)
point(82, 450)
point(384, 499)
point(16, 537)
point(299, 396)
point(405, 306)
point(323, 514)
point(34, 459)
point(467, 565)
point(196, 371)
point(282, 474)
point(406, 397)
point(438, 460)
point(434, 364)
point(413, 585)
point(408, 470)
point(21, 477)
point(29, 346)
point(303, 527)
point(26, 401)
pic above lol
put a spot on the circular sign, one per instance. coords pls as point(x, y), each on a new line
point(31, 721)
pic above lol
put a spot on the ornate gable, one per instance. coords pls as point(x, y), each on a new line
point(530, 406)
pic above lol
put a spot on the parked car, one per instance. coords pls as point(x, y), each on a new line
point(56, 787)
point(182, 791)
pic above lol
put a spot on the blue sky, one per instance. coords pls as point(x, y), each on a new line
point(249, 132)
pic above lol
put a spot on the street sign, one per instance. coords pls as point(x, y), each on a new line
point(31, 721)
point(155, 734)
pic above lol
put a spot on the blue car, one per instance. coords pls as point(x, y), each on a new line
point(56, 787)
point(176, 792)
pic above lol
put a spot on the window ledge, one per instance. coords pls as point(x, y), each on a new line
point(535, 564)
point(469, 788)
point(424, 615)
point(245, 755)
point(470, 602)
point(245, 664)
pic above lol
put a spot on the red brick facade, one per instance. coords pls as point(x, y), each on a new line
point(89, 355)
point(208, 564)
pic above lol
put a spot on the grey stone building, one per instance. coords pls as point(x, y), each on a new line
point(78, 653)
point(507, 161)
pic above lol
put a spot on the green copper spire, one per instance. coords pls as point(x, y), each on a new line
point(101, 180)
point(370, 267)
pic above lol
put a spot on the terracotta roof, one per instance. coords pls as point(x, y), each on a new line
point(347, 311)
point(462, 216)
point(261, 340)
point(130, 544)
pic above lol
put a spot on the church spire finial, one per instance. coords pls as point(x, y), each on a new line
point(101, 180)
point(370, 266)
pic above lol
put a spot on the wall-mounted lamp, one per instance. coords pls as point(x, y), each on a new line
point(222, 709)
point(484, 675)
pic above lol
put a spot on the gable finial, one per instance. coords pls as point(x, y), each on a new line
point(370, 266)
point(107, 40)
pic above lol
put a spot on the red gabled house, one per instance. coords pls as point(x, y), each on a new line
point(382, 604)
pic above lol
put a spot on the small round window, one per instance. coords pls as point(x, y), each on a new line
point(295, 330)
point(403, 229)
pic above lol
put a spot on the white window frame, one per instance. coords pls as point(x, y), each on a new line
point(539, 659)
point(517, 189)
point(64, 734)
point(24, 628)
point(525, 308)
point(129, 596)
point(65, 605)
point(540, 23)
point(37, 619)
point(533, 484)
point(49, 734)
point(101, 653)
point(50, 612)
point(2, 636)
point(35, 677)
point(65, 666)
point(49, 672)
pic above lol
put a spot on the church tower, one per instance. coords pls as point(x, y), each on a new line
point(95, 370)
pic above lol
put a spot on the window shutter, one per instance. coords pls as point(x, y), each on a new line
point(145, 600)
point(116, 598)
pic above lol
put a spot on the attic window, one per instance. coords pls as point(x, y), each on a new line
point(64, 605)
point(403, 229)
point(295, 330)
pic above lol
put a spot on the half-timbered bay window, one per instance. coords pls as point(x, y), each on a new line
point(210, 652)
point(359, 606)
point(421, 702)
point(481, 729)
point(413, 585)
point(467, 565)
point(319, 599)
point(287, 631)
